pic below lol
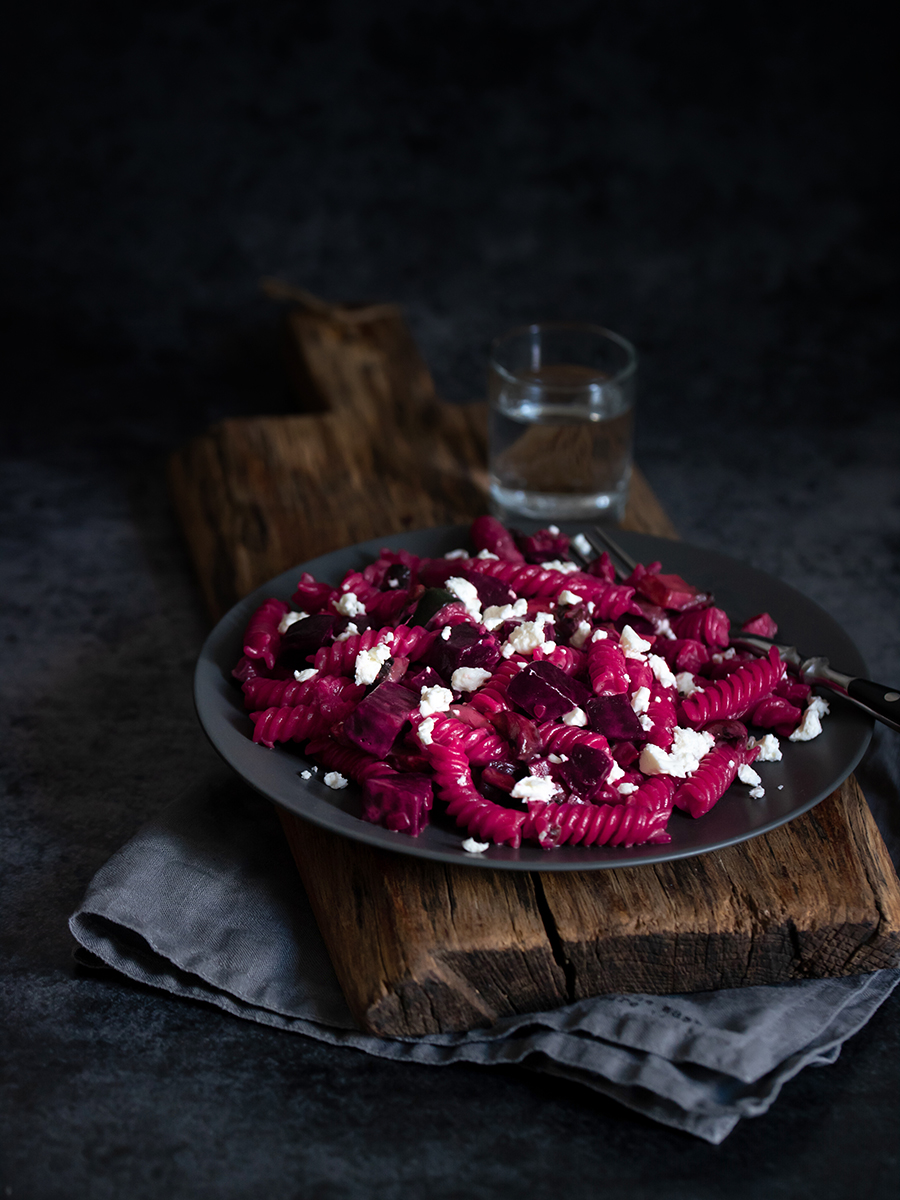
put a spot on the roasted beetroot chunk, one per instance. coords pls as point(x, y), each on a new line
point(546, 692)
point(487, 533)
point(465, 646)
point(670, 591)
point(304, 638)
point(376, 721)
point(542, 546)
point(614, 717)
point(398, 802)
point(585, 770)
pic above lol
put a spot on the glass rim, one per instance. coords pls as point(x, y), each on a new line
point(619, 376)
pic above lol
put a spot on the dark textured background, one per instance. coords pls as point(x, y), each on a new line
point(713, 181)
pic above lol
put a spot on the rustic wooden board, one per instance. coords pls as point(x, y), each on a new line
point(425, 948)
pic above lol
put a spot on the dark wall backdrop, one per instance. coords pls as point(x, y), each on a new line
point(717, 182)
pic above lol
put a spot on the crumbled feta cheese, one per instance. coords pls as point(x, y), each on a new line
point(556, 564)
point(724, 655)
point(435, 699)
point(349, 632)
point(757, 793)
point(582, 545)
point(425, 730)
point(554, 529)
point(457, 554)
point(303, 676)
point(534, 787)
point(543, 618)
point(369, 663)
point(349, 605)
point(640, 701)
point(469, 679)
point(683, 758)
point(811, 725)
point(524, 640)
point(467, 594)
point(548, 648)
point(646, 723)
point(472, 847)
point(576, 717)
point(627, 789)
point(336, 780)
point(769, 748)
point(487, 554)
point(554, 758)
point(496, 614)
point(684, 681)
point(306, 774)
point(393, 583)
point(590, 607)
point(599, 635)
point(666, 629)
point(289, 619)
point(567, 597)
point(445, 633)
point(746, 774)
point(660, 669)
point(580, 636)
point(615, 772)
point(632, 644)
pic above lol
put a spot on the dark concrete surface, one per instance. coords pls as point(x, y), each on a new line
point(716, 183)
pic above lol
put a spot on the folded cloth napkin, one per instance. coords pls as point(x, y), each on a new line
point(205, 902)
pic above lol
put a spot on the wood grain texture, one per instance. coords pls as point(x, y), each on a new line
point(425, 948)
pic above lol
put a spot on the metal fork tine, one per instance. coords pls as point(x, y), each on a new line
point(599, 535)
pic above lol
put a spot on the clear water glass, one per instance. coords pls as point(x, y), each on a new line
point(561, 420)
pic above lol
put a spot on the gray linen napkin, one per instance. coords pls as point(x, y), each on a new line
point(205, 902)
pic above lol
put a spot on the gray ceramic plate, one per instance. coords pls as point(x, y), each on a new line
point(807, 773)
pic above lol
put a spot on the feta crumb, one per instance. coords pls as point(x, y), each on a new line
point(646, 723)
point(557, 564)
point(445, 633)
point(724, 655)
point(599, 635)
point(543, 618)
point(683, 758)
point(306, 774)
point(632, 644)
point(534, 787)
point(349, 605)
point(746, 774)
point(684, 681)
point(576, 717)
point(567, 597)
point(486, 554)
point(660, 669)
point(580, 636)
point(554, 758)
point(469, 679)
point(457, 554)
point(524, 640)
point(435, 699)
point(496, 614)
point(666, 629)
point(554, 529)
point(349, 632)
point(425, 730)
point(769, 748)
point(590, 607)
point(582, 545)
point(640, 701)
point(615, 772)
point(757, 793)
point(811, 725)
point(289, 619)
point(627, 789)
point(467, 594)
point(472, 847)
point(781, 787)
point(548, 647)
point(336, 780)
point(369, 663)
point(303, 676)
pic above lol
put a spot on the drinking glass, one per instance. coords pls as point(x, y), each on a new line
point(560, 412)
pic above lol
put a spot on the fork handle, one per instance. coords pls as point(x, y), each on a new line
point(883, 702)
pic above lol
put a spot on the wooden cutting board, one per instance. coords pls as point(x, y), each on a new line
point(422, 947)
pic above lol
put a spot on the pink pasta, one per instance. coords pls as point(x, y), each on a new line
point(262, 639)
point(574, 780)
point(734, 696)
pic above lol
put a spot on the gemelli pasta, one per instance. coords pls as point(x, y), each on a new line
point(526, 697)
